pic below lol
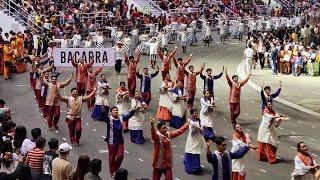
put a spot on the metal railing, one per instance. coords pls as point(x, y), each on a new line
point(155, 6)
point(15, 10)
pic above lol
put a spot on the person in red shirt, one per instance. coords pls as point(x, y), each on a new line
point(234, 98)
point(91, 84)
point(180, 65)
point(132, 66)
point(162, 151)
point(81, 74)
point(191, 84)
point(166, 63)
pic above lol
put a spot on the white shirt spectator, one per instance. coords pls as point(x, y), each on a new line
point(76, 40)
point(248, 53)
point(26, 146)
point(119, 53)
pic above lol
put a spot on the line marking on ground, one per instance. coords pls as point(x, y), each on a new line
point(281, 128)
point(174, 146)
point(248, 130)
point(103, 137)
point(247, 114)
point(176, 178)
point(299, 122)
point(241, 73)
point(224, 119)
point(293, 147)
point(94, 129)
point(22, 85)
point(126, 152)
point(103, 151)
point(87, 124)
point(293, 133)
point(312, 139)
point(313, 126)
point(263, 170)
point(315, 155)
point(64, 139)
point(181, 156)
point(252, 102)
point(140, 159)
point(202, 166)
point(151, 141)
point(257, 118)
point(57, 131)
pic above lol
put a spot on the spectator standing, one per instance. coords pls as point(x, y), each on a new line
point(95, 165)
point(83, 167)
point(19, 136)
point(29, 144)
point(48, 157)
point(61, 168)
point(35, 159)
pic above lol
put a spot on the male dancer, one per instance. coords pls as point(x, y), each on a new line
point(114, 138)
point(52, 102)
point(91, 84)
point(132, 66)
point(145, 86)
point(166, 63)
point(208, 81)
point(162, 151)
point(191, 84)
point(81, 74)
point(234, 98)
point(74, 103)
point(180, 71)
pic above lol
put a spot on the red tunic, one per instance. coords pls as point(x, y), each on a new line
point(191, 80)
point(132, 65)
point(81, 71)
point(92, 79)
point(235, 89)
point(162, 151)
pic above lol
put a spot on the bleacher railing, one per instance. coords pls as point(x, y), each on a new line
point(15, 10)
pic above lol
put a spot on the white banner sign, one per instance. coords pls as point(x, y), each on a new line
point(63, 56)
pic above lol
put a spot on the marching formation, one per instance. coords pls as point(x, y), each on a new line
point(176, 99)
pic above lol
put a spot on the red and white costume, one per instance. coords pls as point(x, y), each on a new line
point(165, 103)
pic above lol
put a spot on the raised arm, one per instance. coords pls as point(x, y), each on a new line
point(277, 93)
point(73, 62)
point(246, 80)
point(200, 71)
point(98, 70)
point(137, 57)
point(138, 74)
point(180, 131)
point(239, 153)
point(186, 62)
point(228, 79)
point(67, 81)
point(175, 62)
point(173, 52)
point(42, 81)
point(126, 59)
point(62, 98)
point(156, 73)
point(160, 54)
point(219, 75)
point(154, 135)
point(127, 116)
point(90, 96)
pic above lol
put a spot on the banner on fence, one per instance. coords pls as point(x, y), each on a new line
point(63, 56)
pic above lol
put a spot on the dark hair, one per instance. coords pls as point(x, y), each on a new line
point(53, 143)
point(114, 107)
point(73, 89)
point(95, 165)
point(209, 69)
point(2, 102)
point(234, 127)
point(179, 59)
point(299, 146)
point(190, 66)
point(145, 68)
point(193, 111)
point(219, 140)
point(267, 87)
point(160, 124)
point(102, 75)
point(6, 147)
point(40, 142)
point(122, 83)
point(35, 133)
point(6, 126)
point(131, 57)
point(83, 167)
point(204, 92)
point(234, 76)
point(121, 174)
point(19, 136)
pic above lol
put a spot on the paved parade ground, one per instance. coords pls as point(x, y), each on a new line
point(298, 93)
